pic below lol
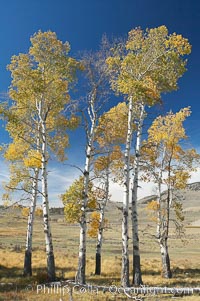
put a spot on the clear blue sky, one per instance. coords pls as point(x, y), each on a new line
point(82, 23)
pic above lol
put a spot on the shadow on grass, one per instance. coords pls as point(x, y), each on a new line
point(186, 277)
point(151, 272)
point(187, 272)
point(7, 273)
point(176, 272)
point(12, 277)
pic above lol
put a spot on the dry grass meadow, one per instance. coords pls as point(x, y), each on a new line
point(184, 253)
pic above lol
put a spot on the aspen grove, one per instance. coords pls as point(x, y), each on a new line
point(107, 96)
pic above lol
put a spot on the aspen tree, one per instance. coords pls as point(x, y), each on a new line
point(111, 132)
point(168, 165)
point(24, 173)
point(96, 95)
point(148, 64)
point(40, 87)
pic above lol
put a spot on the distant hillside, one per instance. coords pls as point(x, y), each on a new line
point(191, 196)
point(194, 186)
point(147, 199)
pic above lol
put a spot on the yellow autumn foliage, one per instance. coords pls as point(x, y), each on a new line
point(101, 163)
point(163, 146)
point(178, 209)
point(151, 64)
point(180, 44)
point(94, 224)
point(112, 127)
point(168, 163)
point(169, 129)
point(180, 179)
point(43, 73)
point(33, 159)
point(72, 200)
point(25, 211)
point(152, 208)
point(38, 212)
point(15, 151)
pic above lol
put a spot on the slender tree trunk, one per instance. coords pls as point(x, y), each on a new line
point(163, 227)
point(28, 250)
point(101, 227)
point(159, 222)
point(80, 275)
point(166, 270)
point(125, 209)
point(99, 245)
point(137, 275)
point(162, 237)
point(45, 202)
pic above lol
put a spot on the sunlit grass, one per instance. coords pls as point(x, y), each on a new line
point(12, 265)
point(184, 259)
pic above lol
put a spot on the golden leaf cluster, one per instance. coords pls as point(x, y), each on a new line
point(33, 159)
point(152, 63)
point(38, 212)
point(94, 224)
point(152, 208)
point(15, 151)
point(72, 200)
point(25, 211)
point(112, 127)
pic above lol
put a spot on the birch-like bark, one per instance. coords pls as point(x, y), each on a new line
point(163, 225)
point(159, 179)
point(80, 275)
point(101, 227)
point(29, 235)
point(137, 275)
point(159, 220)
point(45, 200)
point(45, 206)
point(162, 235)
point(125, 209)
point(166, 269)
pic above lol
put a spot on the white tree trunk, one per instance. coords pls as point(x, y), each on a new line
point(162, 236)
point(28, 249)
point(137, 275)
point(160, 179)
point(45, 200)
point(166, 270)
point(80, 275)
point(159, 221)
point(125, 209)
point(101, 227)
point(162, 230)
point(45, 206)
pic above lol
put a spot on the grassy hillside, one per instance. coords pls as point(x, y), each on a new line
point(184, 252)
